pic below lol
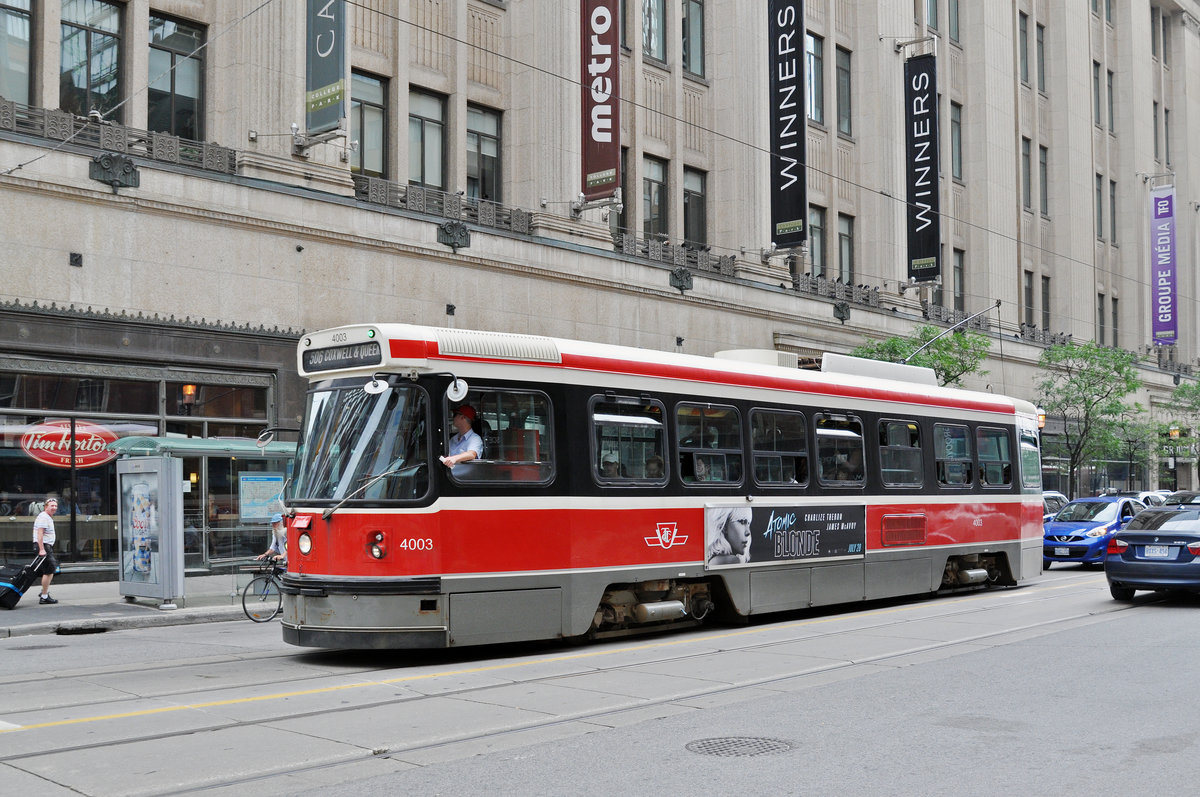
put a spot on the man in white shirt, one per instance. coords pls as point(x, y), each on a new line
point(465, 445)
point(43, 543)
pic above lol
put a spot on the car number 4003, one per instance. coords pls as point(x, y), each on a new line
point(411, 544)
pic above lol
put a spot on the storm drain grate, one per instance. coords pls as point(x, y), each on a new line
point(739, 746)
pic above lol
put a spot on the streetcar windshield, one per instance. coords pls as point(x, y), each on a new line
point(359, 446)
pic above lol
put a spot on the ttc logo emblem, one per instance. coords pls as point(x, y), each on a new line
point(666, 536)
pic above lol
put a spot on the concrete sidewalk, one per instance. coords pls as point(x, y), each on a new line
point(98, 606)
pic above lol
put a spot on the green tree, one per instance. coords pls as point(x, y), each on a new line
point(1086, 386)
point(951, 357)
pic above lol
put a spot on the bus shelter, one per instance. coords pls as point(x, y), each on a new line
point(228, 489)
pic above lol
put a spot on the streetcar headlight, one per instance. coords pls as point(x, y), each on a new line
point(377, 550)
point(304, 543)
point(375, 545)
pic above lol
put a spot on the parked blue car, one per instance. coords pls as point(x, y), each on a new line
point(1081, 530)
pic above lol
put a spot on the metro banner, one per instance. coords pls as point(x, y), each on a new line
point(789, 120)
point(601, 81)
point(739, 535)
point(921, 155)
point(1163, 312)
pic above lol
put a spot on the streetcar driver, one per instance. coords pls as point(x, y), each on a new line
point(466, 445)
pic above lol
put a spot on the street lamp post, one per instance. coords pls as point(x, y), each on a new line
point(1129, 446)
point(1173, 433)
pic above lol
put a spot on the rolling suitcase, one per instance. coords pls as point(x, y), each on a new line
point(14, 580)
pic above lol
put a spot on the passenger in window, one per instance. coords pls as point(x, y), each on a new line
point(654, 467)
point(610, 467)
point(694, 468)
point(466, 445)
point(728, 535)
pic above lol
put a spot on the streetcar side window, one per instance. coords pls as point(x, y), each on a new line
point(710, 443)
point(628, 440)
point(839, 451)
point(515, 426)
point(900, 459)
point(995, 457)
point(1031, 460)
point(952, 454)
point(780, 441)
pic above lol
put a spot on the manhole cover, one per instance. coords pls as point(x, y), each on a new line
point(739, 746)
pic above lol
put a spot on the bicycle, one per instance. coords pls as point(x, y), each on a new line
point(262, 598)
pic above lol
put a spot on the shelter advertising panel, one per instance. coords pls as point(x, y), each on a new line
point(789, 114)
point(742, 534)
point(1162, 265)
point(150, 527)
point(921, 148)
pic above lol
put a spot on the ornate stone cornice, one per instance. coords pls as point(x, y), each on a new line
point(187, 322)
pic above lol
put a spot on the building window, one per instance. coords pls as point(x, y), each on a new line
point(695, 221)
point(1156, 153)
point(176, 73)
point(956, 163)
point(843, 92)
point(815, 54)
point(1023, 45)
point(1112, 211)
point(483, 153)
point(953, 9)
point(846, 249)
point(1111, 115)
point(958, 266)
point(1096, 92)
point(931, 18)
point(1167, 134)
point(1027, 298)
point(1100, 313)
point(1044, 179)
point(368, 125)
point(1108, 10)
point(1100, 206)
point(15, 65)
point(1026, 173)
point(654, 197)
point(1045, 303)
point(1115, 324)
point(654, 43)
point(1041, 58)
point(426, 139)
point(623, 216)
point(693, 37)
point(91, 59)
point(816, 239)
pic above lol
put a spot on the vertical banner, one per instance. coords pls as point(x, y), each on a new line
point(789, 119)
point(1162, 266)
point(601, 81)
point(325, 80)
point(921, 155)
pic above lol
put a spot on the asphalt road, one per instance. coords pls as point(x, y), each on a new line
point(1051, 688)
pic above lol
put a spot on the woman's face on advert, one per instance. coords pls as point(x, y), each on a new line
point(737, 529)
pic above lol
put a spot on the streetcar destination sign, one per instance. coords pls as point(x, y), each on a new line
point(349, 356)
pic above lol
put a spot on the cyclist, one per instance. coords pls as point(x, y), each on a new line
point(278, 549)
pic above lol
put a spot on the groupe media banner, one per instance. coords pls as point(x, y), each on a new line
point(325, 78)
point(1165, 327)
point(921, 155)
point(789, 118)
point(600, 78)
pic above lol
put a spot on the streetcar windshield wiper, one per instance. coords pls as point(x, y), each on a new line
point(329, 511)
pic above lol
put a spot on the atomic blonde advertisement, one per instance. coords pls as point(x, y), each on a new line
point(140, 527)
point(741, 534)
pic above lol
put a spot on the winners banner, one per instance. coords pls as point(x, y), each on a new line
point(921, 153)
point(789, 115)
point(1164, 312)
point(741, 534)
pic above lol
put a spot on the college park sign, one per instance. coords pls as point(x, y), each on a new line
point(50, 444)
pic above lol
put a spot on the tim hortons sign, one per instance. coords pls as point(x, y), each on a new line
point(50, 444)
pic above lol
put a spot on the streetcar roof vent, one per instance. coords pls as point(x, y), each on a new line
point(497, 345)
point(858, 366)
point(787, 359)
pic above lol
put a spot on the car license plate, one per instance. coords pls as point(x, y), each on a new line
point(1063, 552)
point(1156, 551)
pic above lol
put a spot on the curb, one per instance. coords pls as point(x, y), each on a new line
point(99, 625)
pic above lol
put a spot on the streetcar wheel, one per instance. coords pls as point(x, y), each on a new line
point(1120, 593)
point(261, 600)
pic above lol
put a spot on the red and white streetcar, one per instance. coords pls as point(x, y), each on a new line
point(620, 489)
